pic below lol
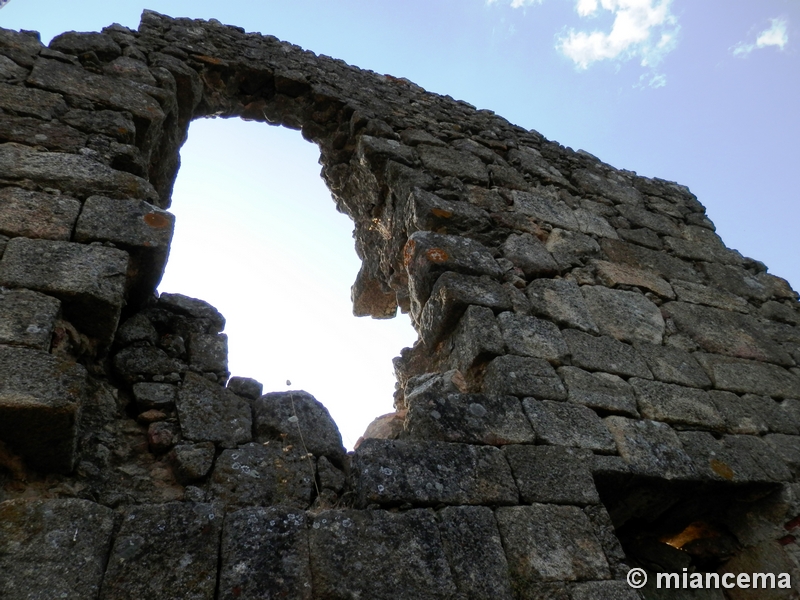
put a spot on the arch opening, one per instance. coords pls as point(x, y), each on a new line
point(257, 237)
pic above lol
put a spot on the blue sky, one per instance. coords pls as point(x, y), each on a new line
point(703, 92)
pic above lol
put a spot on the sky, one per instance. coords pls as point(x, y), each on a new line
point(702, 92)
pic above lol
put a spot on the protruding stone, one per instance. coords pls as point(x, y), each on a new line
point(192, 307)
point(246, 387)
point(89, 280)
point(40, 406)
point(298, 418)
point(265, 555)
point(378, 555)
point(210, 413)
point(53, 548)
point(476, 339)
point(165, 551)
point(392, 472)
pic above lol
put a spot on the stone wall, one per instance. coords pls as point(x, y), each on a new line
point(599, 382)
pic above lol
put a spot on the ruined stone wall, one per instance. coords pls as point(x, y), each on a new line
point(599, 382)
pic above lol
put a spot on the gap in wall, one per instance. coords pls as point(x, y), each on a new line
point(258, 236)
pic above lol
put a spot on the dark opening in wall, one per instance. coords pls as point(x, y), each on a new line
point(258, 236)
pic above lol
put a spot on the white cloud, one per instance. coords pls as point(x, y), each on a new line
point(514, 3)
point(775, 35)
point(644, 29)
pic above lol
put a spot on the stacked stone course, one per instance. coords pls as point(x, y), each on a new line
point(599, 382)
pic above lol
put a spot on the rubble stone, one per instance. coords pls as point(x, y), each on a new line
point(209, 413)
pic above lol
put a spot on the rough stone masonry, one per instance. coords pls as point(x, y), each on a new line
point(599, 382)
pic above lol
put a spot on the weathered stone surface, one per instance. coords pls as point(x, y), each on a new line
point(737, 281)
point(530, 255)
point(246, 387)
point(724, 332)
point(161, 396)
point(549, 543)
point(197, 309)
point(749, 376)
point(429, 212)
point(650, 448)
point(593, 224)
point(552, 474)
point(210, 413)
point(142, 229)
point(695, 293)
point(626, 316)
point(430, 473)
point(612, 274)
point(603, 590)
point(560, 300)
point(567, 424)
point(72, 42)
point(450, 297)
point(37, 215)
point(428, 255)
point(676, 405)
point(522, 376)
point(673, 365)
point(297, 418)
point(605, 354)
point(265, 555)
point(31, 131)
point(53, 548)
point(788, 448)
point(739, 415)
point(27, 318)
point(570, 248)
point(40, 405)
point(137, 328)
point(771, 412)
point(544, 205)
point(192, 461)
point(263, 475)
point(475, 553)
point(378, 555)
point(476, 339)
point(529, 336)
point(600, 391)
point(759, 461)
point(139, 363)
point(467, 418)
point(31, 102)
point(165, 551)
point(114, 124)
point(89, 280)
point(641, 217)
point(71, 173)
point(669, 267)
point(208, 352)
point(449, 162)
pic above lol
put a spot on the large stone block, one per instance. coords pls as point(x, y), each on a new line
point(475, 552)
point(164, 551)
point(427, 255)
point(529, 336)
point(71, 173)
point(741, 416)
point(31, 102)
point(450, 162)
point(749, 376)
point(544, 205)
point(208, 352)
point(600, 391)
point(667, 266)
point(136, 226)
point(52, 135)
point(673, 365)
point(53, 548)
point(210, 413)
point(605, 354)
point(614, 274)
point(429, 212)
point(378, 555)
point(530, 255)
point(626, 316)
point(726, 332)
point(393, 472)
point(27, 318)
point(467, 418)
point(560, 300)
point(451, 296)
point(263, 475)
point(37, 215)
point(546, 542)
point(300, 419)
point(476, 339)
point(40, 406)
point(89, 280)
point(552, 474)
point(265, 555)
point(523, 376)
point(568, 424)
point(695, 293)
point(676, 405)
